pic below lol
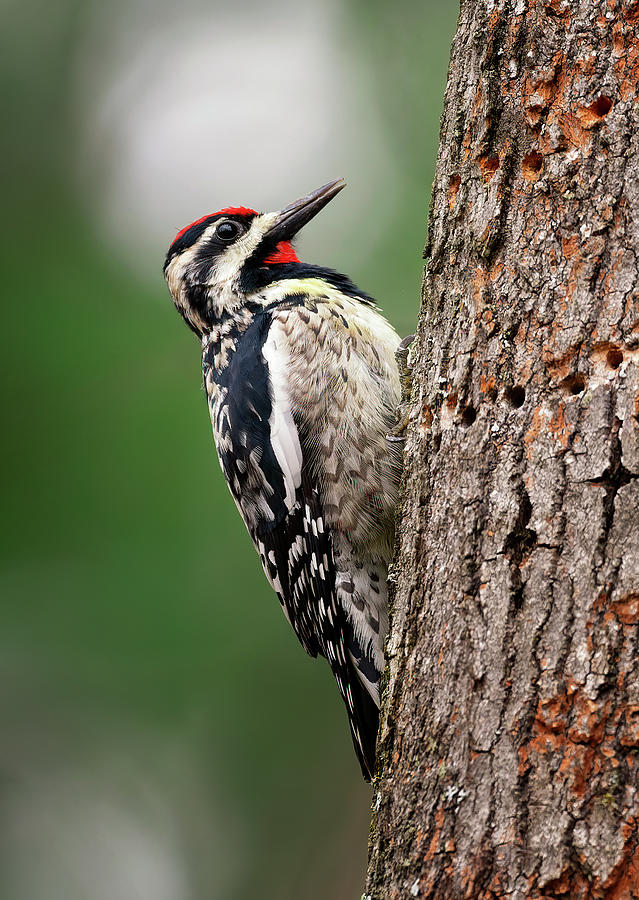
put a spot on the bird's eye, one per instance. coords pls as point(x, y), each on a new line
point(228, 231)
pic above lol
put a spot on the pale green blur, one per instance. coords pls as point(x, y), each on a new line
point(164, 735)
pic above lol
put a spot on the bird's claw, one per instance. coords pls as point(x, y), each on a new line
point(404, 364)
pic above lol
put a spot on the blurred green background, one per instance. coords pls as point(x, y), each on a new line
point(164, 735)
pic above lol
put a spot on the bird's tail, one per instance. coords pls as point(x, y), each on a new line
point(363, 718)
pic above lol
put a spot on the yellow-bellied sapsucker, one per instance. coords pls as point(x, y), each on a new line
point(302, 386)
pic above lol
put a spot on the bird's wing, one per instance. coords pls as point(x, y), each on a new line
point(262, 457)
point(261, 441)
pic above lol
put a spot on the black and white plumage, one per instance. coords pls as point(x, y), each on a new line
point(302, 386)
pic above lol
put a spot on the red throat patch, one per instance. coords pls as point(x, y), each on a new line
point(283, 253)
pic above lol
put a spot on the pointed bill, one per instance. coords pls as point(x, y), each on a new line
point(294, 216)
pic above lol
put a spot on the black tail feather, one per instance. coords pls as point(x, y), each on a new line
point(364, 722)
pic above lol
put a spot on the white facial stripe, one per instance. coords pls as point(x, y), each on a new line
point(177, 268)
point(228, 266)
point(175, 275)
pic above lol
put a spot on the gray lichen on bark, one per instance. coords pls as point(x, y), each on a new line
point(509, 744)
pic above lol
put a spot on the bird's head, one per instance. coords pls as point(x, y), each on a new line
point(214, 263)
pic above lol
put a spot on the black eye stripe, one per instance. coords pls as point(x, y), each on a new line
point(195, 231)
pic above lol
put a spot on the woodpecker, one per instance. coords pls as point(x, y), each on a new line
point(302, 386)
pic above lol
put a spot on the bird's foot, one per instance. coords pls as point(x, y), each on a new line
point(404, 364)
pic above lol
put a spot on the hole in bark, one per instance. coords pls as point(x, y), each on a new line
point(614, 357)
point(591, 116)
point(601, 107)
point(532, 164)
point(437, 442)
point(453, 186)
point(468, 416)
point(534, 113)
point(515, 395)
point(427, 416)
point(488, 166)
point(574, 384)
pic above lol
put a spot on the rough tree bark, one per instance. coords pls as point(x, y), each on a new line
point(509, 745)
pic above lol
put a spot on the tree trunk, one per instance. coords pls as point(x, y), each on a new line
point(509, 744)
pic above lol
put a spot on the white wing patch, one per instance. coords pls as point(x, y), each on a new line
point(284, 437)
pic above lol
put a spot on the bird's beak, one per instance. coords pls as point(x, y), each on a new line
point(297, 214)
